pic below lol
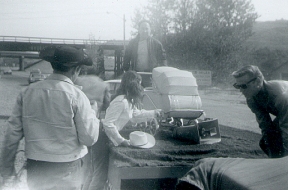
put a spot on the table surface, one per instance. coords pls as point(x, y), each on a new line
point(172, 158)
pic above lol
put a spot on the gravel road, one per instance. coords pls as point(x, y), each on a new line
point(10, 87)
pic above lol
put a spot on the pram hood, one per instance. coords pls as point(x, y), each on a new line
point(173, 81)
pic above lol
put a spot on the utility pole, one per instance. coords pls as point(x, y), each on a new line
point(124, 20)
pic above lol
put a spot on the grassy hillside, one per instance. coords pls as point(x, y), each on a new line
point(271, 34)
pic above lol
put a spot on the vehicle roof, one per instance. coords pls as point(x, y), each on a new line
point(113, 81)
point(35, 71)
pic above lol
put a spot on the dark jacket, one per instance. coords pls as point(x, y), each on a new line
point(156, 54)
point(272, 99)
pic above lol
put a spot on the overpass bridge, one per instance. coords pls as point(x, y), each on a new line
point(20, 43)
point(29, 47)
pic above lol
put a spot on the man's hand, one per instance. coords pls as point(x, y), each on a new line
point(271, 144)
point(94, 106)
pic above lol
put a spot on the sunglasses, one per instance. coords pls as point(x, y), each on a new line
point(243, 86)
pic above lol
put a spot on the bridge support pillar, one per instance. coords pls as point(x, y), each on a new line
point(21, 63)
point(118, 62)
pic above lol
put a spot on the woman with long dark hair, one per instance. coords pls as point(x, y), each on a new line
point(125, 107)
point(122, 109)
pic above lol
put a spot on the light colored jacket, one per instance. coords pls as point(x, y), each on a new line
point(118, 114)
point(96, 90)
point(56, 119)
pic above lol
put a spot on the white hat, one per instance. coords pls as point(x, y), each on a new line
point(141, 139)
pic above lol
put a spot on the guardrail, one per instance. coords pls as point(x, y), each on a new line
point(51, 40)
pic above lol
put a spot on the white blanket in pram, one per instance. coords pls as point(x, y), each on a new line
point(173, 89)
point(173, 81)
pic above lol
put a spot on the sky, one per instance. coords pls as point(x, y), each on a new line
point(102, 19)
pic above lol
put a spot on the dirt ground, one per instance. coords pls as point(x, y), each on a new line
point(228, 106)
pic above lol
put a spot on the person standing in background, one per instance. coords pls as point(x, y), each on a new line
point(144, 52)
point(96, 161)
point(96, 90)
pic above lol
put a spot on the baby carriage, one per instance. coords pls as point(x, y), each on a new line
point(175, 91)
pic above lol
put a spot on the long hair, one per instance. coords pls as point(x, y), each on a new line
point(131, 88)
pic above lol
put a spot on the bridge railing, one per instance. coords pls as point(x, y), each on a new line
point(50, 40)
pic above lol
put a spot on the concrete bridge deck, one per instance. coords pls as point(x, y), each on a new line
point(21, 43)
point(29, 47)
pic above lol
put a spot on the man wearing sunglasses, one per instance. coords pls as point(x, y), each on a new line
point(265, 98)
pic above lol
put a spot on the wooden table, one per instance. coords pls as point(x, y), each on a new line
point(171, 158)
point(116, 174)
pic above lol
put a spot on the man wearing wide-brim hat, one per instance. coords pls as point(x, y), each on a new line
point(58, 124)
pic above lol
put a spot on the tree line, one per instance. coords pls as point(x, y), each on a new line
point(207, 35)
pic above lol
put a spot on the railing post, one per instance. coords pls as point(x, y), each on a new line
point(21, 63)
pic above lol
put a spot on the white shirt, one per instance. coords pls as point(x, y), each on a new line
point(117, 116)
point(142, 56)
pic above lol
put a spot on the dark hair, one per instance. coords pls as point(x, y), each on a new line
point(63, 58)
point(144, 21)
point(131, 87)
point(251, 70)
point(59, 67)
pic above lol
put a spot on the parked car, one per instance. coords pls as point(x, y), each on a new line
point(7, 71)
point(113, 85)
point(36, 75)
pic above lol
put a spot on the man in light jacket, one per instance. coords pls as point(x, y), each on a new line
point(58, 124)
